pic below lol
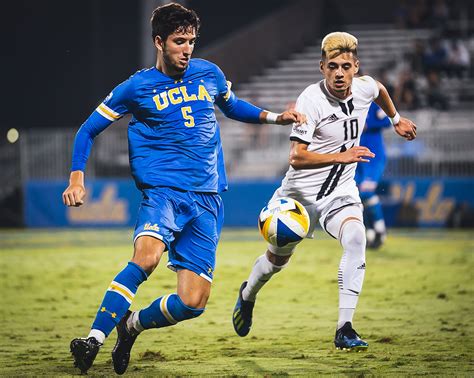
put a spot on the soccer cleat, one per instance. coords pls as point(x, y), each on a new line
point(347, 338)
point(377, 241)
point(242, 316)
point(123, 346)
point(84, 351)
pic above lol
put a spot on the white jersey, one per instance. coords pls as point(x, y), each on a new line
point(333, 125)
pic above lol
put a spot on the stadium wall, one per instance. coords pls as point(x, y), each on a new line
point(266, 40)
point(114, 203)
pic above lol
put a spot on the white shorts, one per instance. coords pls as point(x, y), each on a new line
point(324, 210)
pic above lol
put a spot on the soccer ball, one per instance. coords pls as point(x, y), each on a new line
point(283, 222)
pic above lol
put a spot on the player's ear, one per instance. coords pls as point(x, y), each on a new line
point(159, 43)
point(321, 66)
point(356, 65)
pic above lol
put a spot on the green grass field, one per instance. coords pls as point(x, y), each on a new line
point(416, 310)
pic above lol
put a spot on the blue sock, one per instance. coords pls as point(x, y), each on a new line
point(376, 211)
point(368, 219)
point(373, 208)
point(118, 297)
point(165, 311)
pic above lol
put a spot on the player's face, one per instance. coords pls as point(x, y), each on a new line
point(177, 50)
point(339, 72)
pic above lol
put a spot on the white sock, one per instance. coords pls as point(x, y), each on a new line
point(261, 272)
point(379, 226)
point(133, 323)
point(98, 335)
point(351, 270)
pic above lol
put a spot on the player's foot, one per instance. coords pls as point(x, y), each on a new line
point(84, 351)
point(123, 346)
point(348, 338)
point(376, 241)
point(242, 316)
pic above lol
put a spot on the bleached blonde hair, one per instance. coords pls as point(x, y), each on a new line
point(338, 43)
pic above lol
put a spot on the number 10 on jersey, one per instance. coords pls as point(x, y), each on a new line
point(354, 129)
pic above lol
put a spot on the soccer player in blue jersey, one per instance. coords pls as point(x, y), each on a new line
point(368, 175)
point(177, 162)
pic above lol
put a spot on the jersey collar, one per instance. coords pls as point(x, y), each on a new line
point(325, 90)
point(169, 77)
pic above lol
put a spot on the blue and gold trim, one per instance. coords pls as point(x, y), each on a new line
point(122, 291)
point(108, 113)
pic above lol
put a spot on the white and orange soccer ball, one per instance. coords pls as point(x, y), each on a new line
point(283, 222)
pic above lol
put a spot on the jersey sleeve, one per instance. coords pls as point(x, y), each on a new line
point(118, 102)
point(369, 87)
point(304, 133)
point(231, 105)
point(115, 105)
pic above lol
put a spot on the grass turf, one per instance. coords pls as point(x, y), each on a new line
point(416, 309)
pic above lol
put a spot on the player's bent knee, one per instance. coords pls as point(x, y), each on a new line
point(278, 260)
point(372, 200)
point(183, 311)
point(147, 253)
point(285, 251)
point(353, 235)
point(194, 300)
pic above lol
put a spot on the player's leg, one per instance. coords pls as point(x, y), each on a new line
point(376, 230)
point(377, 233)
point(192, 255)
point(274, 260)
point(271, 262)
point(347, 226)
point(117, 300)
point(151, 239)
point(189, 302)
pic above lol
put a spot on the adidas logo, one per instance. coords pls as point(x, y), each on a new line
point(362, 266)
point(332, 118)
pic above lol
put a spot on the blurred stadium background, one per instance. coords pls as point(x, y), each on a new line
point(64, 57)
point(64, 60)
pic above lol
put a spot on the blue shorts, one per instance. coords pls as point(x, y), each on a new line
point(189, 223)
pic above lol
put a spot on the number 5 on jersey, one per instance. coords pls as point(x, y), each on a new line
point(186, 111)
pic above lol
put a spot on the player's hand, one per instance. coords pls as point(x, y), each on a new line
point(74, 195)
point(357, 154)
point(291, 116)
point(75, 192)
point(406, 129)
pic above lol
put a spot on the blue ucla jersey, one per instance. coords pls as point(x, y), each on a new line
point(372, 137)
point(173, 135)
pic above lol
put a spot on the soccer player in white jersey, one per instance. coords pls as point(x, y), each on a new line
point(323, 157)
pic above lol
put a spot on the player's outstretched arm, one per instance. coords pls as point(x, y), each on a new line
point(243, 111)
point(301, 158)
point(75, 192)
point(288, 117)
point(403, 126)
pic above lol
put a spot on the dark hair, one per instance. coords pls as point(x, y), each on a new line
point(173, 17)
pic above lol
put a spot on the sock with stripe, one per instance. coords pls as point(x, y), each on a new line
point(163, 312)
point(351, 269)
point(117, 300)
